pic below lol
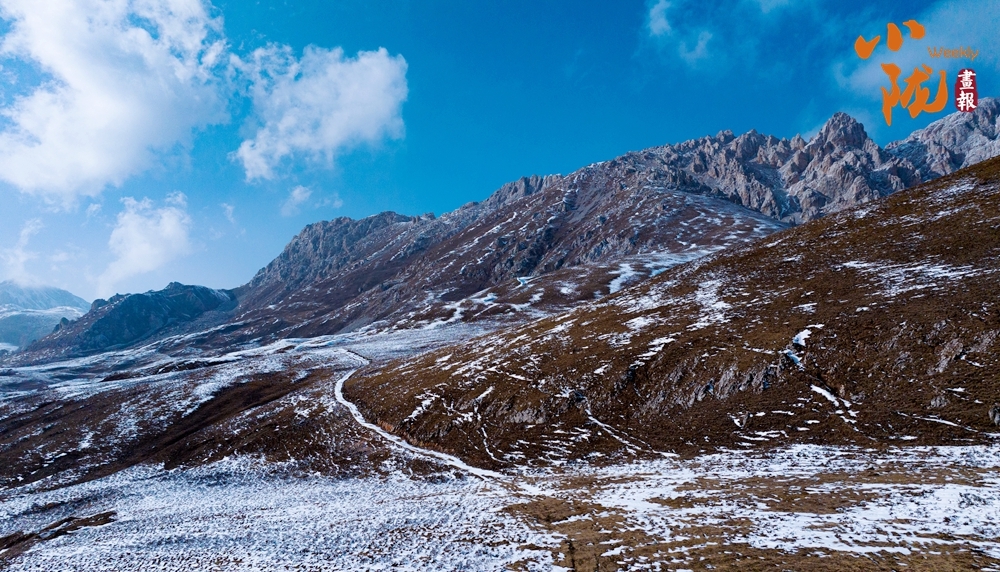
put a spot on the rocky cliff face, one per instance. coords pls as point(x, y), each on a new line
point(788, 179)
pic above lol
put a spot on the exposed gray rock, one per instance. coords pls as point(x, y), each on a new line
point(958, 140)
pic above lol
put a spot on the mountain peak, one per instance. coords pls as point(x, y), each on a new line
point(842, 130)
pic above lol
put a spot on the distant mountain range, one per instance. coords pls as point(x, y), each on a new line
point(28, 313)
point(544, 244)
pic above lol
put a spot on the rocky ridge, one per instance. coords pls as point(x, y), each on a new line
point(638, 203)
point(956, 141)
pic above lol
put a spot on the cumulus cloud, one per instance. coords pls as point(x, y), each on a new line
point(315, 106)
point(122, 80)
point(120, 83)
point(15, 258)
point(295, 199)
point(146, 238)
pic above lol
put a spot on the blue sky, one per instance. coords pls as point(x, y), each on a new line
point(146, 141)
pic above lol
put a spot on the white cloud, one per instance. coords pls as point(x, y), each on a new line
point(227, 211)
point(124, 80)
point(145, 239)
point(320, 104)
point(14, 259)
point(658, 24)
point(681, 31)
point(731, 34)
point(295, 199)
point(178, 199)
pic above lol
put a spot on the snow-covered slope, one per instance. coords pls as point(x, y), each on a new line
point(23, 297)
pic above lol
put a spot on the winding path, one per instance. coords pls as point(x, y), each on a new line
point(402, 443)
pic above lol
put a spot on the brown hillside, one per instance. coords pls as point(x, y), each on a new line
point(876, 325)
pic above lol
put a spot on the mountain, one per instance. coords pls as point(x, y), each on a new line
point(472, 396)
point(542, 245)
point(124, 320)
point(875, 326)
point(345, 274)
point(622, 220)
point(18, 297)
point(28, 313)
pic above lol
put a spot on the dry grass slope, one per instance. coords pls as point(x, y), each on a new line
point(873, 326)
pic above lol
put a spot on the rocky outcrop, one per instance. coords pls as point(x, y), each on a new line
point(957, 141)
point(789, 179)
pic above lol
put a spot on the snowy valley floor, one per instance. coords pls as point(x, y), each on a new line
point(793, 508)
point(799, 508)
